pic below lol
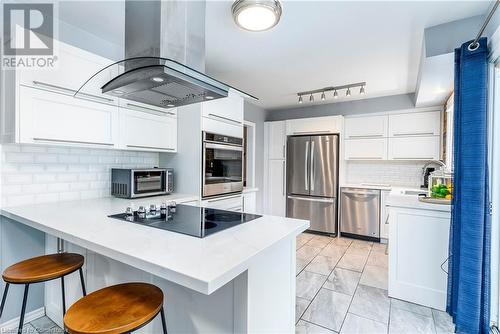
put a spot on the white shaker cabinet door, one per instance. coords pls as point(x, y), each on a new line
point(276, 192)
point(414, 148)
point(366, 127)
point(51, 118)
point(147, 132)
point(365, 149)
point(276, 139)
point(314, 125)
point(415, 124)
point(228, 109)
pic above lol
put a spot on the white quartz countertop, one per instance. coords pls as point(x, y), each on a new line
point(201, 264)
point(397, 198)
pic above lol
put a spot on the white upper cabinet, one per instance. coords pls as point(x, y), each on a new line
point(72, 69)
point(415, 124)
point(146, 131)
point(314, 125)
point(229, 109)
point(57, 119)
point(414, 148)
point(366, 127)
point(365, 149)
point(276, 136)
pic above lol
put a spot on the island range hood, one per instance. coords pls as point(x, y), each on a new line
point(164, 57)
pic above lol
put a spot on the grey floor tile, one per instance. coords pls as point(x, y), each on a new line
point(343, 281)
point(305, 237)
point(362, 244)
point(358, 251)
point(300, 264)
point(43, 324)
point(304, 327)
point(333, 250)
point(300, 306)
point(299, 243)
point(328, 309)
point(308, 252)
point(378, 259)
point(308, 284)
point(408, 322)
point(379, 247)
point(319, 242)
point(443, 322)
point(407, 306)
point(375, 276)
point(342, 241)
point(322, 264)
point(354, 324)
point(352, 262)
point(372, 303)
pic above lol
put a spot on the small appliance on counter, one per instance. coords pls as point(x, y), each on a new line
point(185, 219)
point(134, 183)
point(427, 171)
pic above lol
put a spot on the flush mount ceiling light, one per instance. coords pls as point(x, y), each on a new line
point(157, 79)
point(334, 89)
point(256, 15)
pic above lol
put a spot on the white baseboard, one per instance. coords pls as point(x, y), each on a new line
point(28, 317)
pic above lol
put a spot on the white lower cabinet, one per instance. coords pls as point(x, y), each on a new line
point(230, 203)
point(384, 215)
point(58, 119)
point(276, 188)
point(414, 148)
point(365, 149)
point(418, 247)
point(250, 202)
point(146, 131)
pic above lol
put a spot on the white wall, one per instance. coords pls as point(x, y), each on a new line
point(37, 174)
point(395, 173)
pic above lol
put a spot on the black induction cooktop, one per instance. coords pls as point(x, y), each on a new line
point(191, 220)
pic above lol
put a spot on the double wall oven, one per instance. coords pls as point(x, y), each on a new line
point(222, 165)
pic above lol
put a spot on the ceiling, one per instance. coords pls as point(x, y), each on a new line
point(327, 43)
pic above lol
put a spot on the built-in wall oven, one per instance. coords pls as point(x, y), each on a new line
point(222, 165)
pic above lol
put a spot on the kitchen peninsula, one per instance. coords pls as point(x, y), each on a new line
point(238, 280)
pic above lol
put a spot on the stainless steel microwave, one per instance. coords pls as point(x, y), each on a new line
point(133, 183)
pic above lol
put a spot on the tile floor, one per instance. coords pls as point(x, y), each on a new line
point(342, 288)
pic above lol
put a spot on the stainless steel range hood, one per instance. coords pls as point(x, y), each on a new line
point(164, 43)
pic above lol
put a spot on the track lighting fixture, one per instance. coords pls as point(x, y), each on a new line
point(335, 89)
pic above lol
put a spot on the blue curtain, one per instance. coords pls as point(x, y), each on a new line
point(469, 266)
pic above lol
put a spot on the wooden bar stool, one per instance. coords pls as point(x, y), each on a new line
point(117, 309)
point(41, 269)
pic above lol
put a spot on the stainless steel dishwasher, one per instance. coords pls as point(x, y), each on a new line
point(360, 213)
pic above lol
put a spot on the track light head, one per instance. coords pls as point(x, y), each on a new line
point(335, 94)
point(362, 90)
point(323, 97)
point(300, 99)
point(348, 92)
point(311, 98)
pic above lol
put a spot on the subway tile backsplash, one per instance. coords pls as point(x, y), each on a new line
point(39, 174)
point(395, 173)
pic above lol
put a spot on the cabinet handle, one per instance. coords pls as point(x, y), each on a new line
point(364, 136)
point(152, 147)
point(387, 219)
point(72, 141)
point(222, 199)
point(148, 110)
point(414, 158)
point(413, 134)
point(69, 91)
point(225, 119)
point(365, 158)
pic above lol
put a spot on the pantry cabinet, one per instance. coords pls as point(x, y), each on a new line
point(277, 140)
point(275, 168)
point(276, 191)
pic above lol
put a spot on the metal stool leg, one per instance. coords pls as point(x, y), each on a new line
point(63, 296)
point(163, 321)
point(23, 309)
point(83, 282)
point(4, 297)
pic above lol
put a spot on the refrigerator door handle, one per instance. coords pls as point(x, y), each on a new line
point(313, 199)
point(306, 185)
point(311, 169)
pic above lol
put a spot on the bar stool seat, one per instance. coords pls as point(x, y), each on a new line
point(43, 268)
point(120, 308)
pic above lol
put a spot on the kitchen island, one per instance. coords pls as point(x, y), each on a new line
point(238, 280)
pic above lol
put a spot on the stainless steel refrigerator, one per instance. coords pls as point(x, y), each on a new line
point(312, 180)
